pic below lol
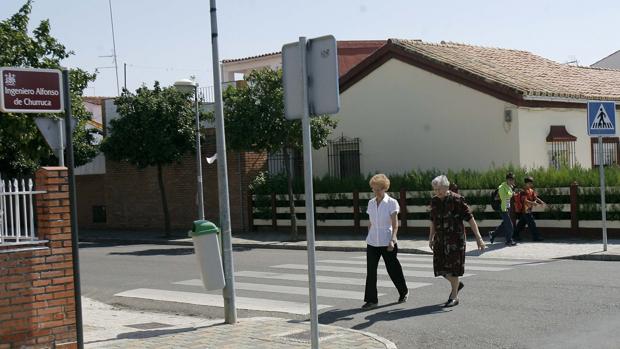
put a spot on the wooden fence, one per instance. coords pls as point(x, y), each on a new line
point(570, 208)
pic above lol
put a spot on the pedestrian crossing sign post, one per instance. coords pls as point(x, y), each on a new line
point(601, 118)
point(602, 122)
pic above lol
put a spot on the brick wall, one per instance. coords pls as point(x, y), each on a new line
point(133, 201)
point(37, 305)
point(91, 193)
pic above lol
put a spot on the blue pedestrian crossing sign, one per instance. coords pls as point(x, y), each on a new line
point(601, 118)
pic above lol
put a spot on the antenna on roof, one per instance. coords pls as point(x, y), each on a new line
point(572, 60)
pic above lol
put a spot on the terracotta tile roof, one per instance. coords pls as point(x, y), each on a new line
point(250, 57)
point(530, 75)
point(350, 53)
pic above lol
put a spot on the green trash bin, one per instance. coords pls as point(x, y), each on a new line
point(207, 246)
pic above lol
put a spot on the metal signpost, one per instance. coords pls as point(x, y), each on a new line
point(310, 79)
point(30, 90)
point(602, 122)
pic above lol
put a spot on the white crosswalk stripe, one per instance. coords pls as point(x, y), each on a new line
point(323, 279)
point(337, 279)
point(216, 300)
point(413, 273)
point(416, 265)
point(321, 292)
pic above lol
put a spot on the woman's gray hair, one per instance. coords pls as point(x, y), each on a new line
point(440, 181)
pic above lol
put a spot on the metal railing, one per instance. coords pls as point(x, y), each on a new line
point(17, 221)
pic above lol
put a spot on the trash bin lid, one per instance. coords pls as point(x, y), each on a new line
point(202, 227)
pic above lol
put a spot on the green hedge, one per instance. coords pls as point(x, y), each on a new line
point(421, 180)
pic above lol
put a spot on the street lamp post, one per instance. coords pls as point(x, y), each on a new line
point(189, 85)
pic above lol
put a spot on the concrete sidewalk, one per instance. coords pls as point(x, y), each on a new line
point(114, 328)
point(573, 248)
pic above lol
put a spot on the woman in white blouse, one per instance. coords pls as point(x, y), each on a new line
point(382, 242)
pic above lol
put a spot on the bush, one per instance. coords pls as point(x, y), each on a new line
point(420, 180)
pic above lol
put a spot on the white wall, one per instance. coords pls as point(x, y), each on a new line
point(534, 125)
point(246, 66)
point(407, 118)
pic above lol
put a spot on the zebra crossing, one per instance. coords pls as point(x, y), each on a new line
point(284, 287)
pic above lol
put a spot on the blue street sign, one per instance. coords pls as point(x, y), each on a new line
point(601, 118)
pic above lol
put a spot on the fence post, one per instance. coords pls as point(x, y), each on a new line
point(403, 209)
point(356, 211)
point(250, 208)
point(574, 221)
point(274, 211)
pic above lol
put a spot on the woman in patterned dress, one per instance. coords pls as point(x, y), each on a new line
point(447, 235)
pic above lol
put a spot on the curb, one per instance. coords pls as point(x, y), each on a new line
point(280, 246)
point(388, 344)
point(595, 257)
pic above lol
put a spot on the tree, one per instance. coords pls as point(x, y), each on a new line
point(22, 147)
point(255, 121)
point(156, 128)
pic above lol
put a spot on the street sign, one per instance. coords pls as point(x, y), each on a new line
point(310, 80)
point(322, 75)
point(601, 118)
point(30, 90)
point(53, 132)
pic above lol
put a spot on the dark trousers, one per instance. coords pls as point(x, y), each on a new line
point(394, 269)
point(505, 228)
point(527, 219)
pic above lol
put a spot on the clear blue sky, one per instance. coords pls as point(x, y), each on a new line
point(167, 40)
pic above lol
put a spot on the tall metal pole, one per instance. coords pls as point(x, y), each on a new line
point(602, 181)
point(61, 138)
point(201, 200)
point(125, 76)
point(72, 202)
point(230, 308)
point(118, 91)
point(309, 190)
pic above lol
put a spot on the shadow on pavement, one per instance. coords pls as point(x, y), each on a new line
point(331, 316)
point(157, 252)
point(398, 314)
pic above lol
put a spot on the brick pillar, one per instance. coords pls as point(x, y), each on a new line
point(54, 225)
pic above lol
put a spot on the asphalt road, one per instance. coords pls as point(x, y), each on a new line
point(505, 303)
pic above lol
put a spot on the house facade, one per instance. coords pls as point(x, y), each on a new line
point(416, 105)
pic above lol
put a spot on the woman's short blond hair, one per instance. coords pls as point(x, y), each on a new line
point(380, 180)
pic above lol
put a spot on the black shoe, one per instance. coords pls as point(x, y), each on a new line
point(451, 303)
point(369, 305)
point(403, 298)
point(511, 243)
point(457, 290)
point(491, 236)
point(538, 239)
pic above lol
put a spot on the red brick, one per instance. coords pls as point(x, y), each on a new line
point(61, 209)
point(44, 297)
point(62, 280)
point(52, 274)
point(57, 288)
point(64, 294)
